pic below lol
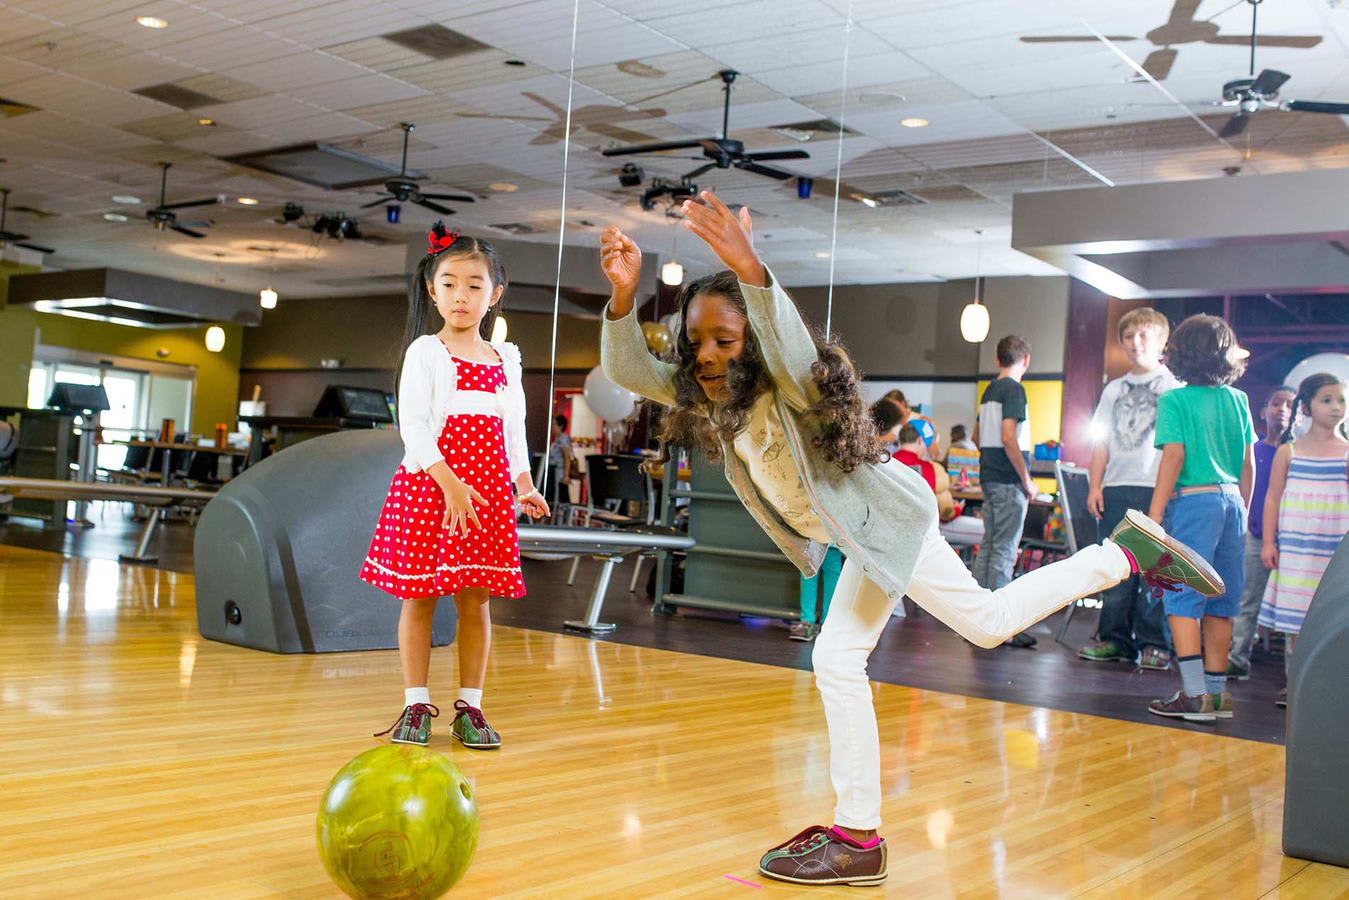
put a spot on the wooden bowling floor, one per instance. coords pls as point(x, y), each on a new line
point(143, 761)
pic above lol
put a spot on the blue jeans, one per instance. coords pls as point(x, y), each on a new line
point(1213, 524)
point(829, 569)
point(1129, 616)
point(1004, 513)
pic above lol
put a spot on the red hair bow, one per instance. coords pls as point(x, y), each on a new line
point(437, 244)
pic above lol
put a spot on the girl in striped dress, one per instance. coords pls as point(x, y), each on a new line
point(1309, 498)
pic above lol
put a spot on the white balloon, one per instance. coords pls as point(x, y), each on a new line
point(1335, 363)
point(606, 399)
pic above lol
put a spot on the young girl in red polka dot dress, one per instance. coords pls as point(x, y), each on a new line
point(448, 525)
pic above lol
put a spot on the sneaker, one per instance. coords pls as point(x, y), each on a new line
point(1219, 704)
point(1181, 705)
point(413, 725)
point(1237, 672)
point(1282, 700)
point(1102, 651)
point(1024, 639)
point(471, 729)
point(802, 631)
point(822, 855)
point(1164, 562)
point(1154, 658)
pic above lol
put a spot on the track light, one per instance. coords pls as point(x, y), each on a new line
point(630, 175)
point(803, 187)
point(392, 212)
point(291, 212)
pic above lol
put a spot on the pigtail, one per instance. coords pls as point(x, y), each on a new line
point(1302, 403)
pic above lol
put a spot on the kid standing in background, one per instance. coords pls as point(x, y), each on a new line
point(1307, 508)
point(1203, 488)
point(1278, 417)
point(448, 525)
point(751, 385)
point(1122, 474)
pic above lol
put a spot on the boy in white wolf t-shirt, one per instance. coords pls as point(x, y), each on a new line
point(1123, 471)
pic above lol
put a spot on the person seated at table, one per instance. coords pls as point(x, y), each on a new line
point(959, 530)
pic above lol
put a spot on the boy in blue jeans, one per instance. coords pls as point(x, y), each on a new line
point(1203, 489)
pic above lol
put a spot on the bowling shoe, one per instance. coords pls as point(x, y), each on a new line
point(413, 725)
point(471, 729)
point(822, 855)
point(1164, 562)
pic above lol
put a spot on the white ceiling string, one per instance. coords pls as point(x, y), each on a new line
point(561, 237)
point(838, 170)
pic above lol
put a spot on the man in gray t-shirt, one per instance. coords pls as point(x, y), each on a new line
point(1123, 471)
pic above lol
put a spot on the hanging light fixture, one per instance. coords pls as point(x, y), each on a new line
point(974, 317)
point(499, 330)
point(672, 273)
point(215, 339)
point(267, 297)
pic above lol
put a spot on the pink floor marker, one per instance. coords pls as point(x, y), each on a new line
point(742, 881)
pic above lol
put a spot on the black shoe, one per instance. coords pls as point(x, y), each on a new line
point(1024, 639)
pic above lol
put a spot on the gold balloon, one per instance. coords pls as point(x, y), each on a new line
point(658, 339)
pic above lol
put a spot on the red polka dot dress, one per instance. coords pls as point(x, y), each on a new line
point(411, 555)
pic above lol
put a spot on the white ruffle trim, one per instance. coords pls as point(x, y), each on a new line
point(385, 570)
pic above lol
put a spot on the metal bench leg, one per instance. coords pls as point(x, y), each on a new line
point(592, 623)
point(575, 564)
point(141, 555)
point(1067, 619)
point(636, 571)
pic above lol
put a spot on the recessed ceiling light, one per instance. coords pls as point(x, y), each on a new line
point(503, 187)
point(822, 254)
point(114, 217)
point(913, 122)
point(126, 199)
point(249, 201)
point(151, 22)
point(515, 62)
point(210, 123)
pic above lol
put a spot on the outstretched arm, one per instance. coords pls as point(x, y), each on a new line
point(786, 343)
point(623, 353)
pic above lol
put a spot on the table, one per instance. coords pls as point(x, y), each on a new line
point(167, 446)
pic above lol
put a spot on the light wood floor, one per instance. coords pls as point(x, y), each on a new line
point(142, 761)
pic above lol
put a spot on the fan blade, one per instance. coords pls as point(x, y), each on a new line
point(380, 202)
point(1316, 106)
point(1267, 40)
point(654, 148)
point(1070, 39)
point(1159, 63)
point(701, 170)
point(196, 224)
point(188, 203)
point(1269, 81)
point(458, 198)
point(779, 154)
point(187, 231)
point(39, 249)
point(1235, 125)
point(12, 236)
point(750, 166)
point(435, 207)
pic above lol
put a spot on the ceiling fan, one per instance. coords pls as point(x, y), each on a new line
point(404, 190)
point(1252, 94)
point(723, 152)
point(10, 237)
point(1181, 28)
point(162, 216)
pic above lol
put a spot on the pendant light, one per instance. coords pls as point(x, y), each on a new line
point(215, 339)
point(267, 297)
point(672, 273)
point(974, 317)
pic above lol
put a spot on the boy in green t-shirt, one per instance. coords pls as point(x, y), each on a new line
point(1203, 489)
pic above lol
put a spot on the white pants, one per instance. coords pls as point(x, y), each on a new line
point(945, 588)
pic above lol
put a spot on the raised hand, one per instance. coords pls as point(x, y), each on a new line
point(621, 260)
point(730, 236)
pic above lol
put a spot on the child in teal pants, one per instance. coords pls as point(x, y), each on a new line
point(807, 628)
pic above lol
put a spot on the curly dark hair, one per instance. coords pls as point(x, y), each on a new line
point(844, 431)
point(1202, 350)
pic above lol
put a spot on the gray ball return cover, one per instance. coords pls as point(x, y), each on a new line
point(1316, 790)
point(279, 550)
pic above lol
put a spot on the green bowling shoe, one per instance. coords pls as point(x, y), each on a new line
point(413, 725)
point(471, 729)
point(1164, 562)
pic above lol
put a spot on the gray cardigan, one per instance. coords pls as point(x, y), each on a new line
point(876, 514)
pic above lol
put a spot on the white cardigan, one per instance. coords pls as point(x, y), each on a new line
point(427, 395)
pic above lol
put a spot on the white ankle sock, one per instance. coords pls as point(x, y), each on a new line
point(471, 696)
point(416, 695)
